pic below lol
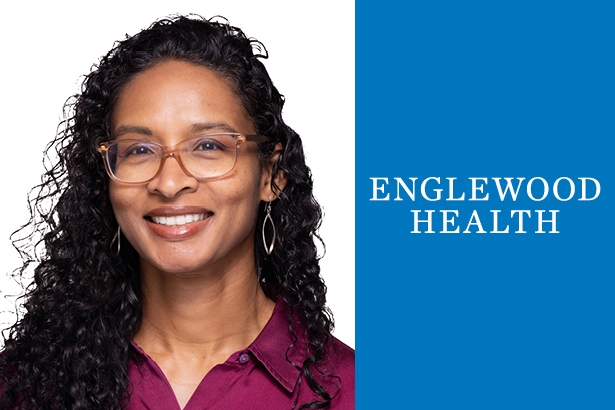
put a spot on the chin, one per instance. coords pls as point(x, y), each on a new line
point(173, 266)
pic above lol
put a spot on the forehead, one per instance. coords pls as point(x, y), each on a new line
point(176, 95)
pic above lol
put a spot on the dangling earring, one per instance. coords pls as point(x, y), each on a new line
point(116, 237)
point(269, 248)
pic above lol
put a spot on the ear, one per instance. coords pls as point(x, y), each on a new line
point(268, 192)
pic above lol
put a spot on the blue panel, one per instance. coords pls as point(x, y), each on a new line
point(463, 90)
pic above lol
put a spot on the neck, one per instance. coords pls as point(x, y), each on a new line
point(212, 313)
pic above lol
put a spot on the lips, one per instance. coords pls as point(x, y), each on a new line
point(176, 223)
point(179, 219)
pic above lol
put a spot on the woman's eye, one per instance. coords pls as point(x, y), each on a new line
point(138, 150)
point(208, 145)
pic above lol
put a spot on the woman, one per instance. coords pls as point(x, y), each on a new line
point(180, 269)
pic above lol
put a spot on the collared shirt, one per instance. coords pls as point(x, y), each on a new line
point(260, 377)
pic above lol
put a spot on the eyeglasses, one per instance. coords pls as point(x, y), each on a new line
point(202, 157)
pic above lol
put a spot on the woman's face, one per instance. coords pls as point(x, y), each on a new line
point(169, 103)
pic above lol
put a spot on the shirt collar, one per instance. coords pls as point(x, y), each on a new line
point(274, 346)
point(275, 349)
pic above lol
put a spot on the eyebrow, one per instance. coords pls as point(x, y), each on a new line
point(207, 126)
point(198, 127)
point(132, 129)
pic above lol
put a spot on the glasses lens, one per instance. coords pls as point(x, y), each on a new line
point(209, 156)
point(206, 156)
point(133, 160)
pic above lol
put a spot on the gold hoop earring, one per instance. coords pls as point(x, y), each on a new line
point(268, 249)
point(117, 237)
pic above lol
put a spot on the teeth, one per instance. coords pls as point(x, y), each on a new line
point(178, 220)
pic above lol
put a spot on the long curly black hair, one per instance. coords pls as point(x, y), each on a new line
point(71, 348)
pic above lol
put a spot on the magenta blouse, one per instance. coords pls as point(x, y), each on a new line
point(259, 377)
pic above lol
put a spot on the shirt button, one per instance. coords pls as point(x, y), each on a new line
point(243, 358)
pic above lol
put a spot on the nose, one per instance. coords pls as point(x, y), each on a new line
point(172, 178)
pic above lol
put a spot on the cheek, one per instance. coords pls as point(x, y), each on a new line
point(241, 198)
point(244, 195)
point(122, 201)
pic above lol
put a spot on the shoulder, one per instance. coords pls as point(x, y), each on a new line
point(341, 356)
point(340, 361)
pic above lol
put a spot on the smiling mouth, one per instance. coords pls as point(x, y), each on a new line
point(178, 219)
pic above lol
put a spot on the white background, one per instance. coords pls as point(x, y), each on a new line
point(48, 46)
